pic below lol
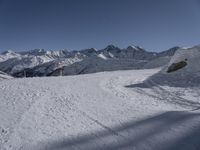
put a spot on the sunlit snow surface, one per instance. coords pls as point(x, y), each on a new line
point(108, 110)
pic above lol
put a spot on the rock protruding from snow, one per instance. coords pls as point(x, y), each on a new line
point(192, 56)
point(177, 66)
point(184, 69)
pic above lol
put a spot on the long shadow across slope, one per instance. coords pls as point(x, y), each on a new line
point(166, 131)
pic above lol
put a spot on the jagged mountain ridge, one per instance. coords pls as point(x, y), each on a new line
point(40, 62)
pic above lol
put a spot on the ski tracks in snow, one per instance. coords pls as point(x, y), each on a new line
point(171, 97)
point(153, 91)
point(45, 111)
point(33, 100)
point(71, 106)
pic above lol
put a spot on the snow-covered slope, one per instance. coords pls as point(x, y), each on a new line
point(50, 54)
point(102, 111)
point(4, 76)
point(99, 64)
point(192, 57)
point(16, 63)
point(46, 69)
point(112, 58)
point(8, 55)
point(182, 71)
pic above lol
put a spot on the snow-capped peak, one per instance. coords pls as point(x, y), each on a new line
point(102, 56)
point(132, 48)
point(38, 52)
point(90, 50)
point(116, 58)
point(111, 47)
point(9, 52)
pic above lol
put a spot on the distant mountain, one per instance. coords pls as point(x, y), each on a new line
point(8, 55)
point(4, 76)
point(169, 52)
point(40, 62)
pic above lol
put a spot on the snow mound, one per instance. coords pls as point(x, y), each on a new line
point(186, 71)
point(191, 56)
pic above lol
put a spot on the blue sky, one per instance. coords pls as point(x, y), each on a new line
point(155, 25)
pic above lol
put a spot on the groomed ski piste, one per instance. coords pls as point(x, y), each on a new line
point(146, 109)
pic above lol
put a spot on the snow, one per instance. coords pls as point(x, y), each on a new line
point(188, 76)
point(132, 47)
point(9, 54)
point(107, 110)
point(40, 62)
point(98, 64)
point(192, 55)
point(102, 56)
point(147, 109)
point(4, 76)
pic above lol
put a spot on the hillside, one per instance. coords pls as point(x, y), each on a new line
point(182, 70)
point(4, 76)
point(98, 111)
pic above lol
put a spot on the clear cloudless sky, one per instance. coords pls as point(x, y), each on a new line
point(77, 24)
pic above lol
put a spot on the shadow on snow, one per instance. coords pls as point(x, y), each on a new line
point(166, 131)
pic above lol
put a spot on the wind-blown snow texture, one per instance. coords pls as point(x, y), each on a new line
point(98, 111)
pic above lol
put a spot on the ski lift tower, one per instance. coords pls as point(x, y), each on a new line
point(24, 73)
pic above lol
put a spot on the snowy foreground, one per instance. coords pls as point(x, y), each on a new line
point(110, 110)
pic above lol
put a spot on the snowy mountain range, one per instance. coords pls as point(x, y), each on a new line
point(40, 62)
point(146, 109)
